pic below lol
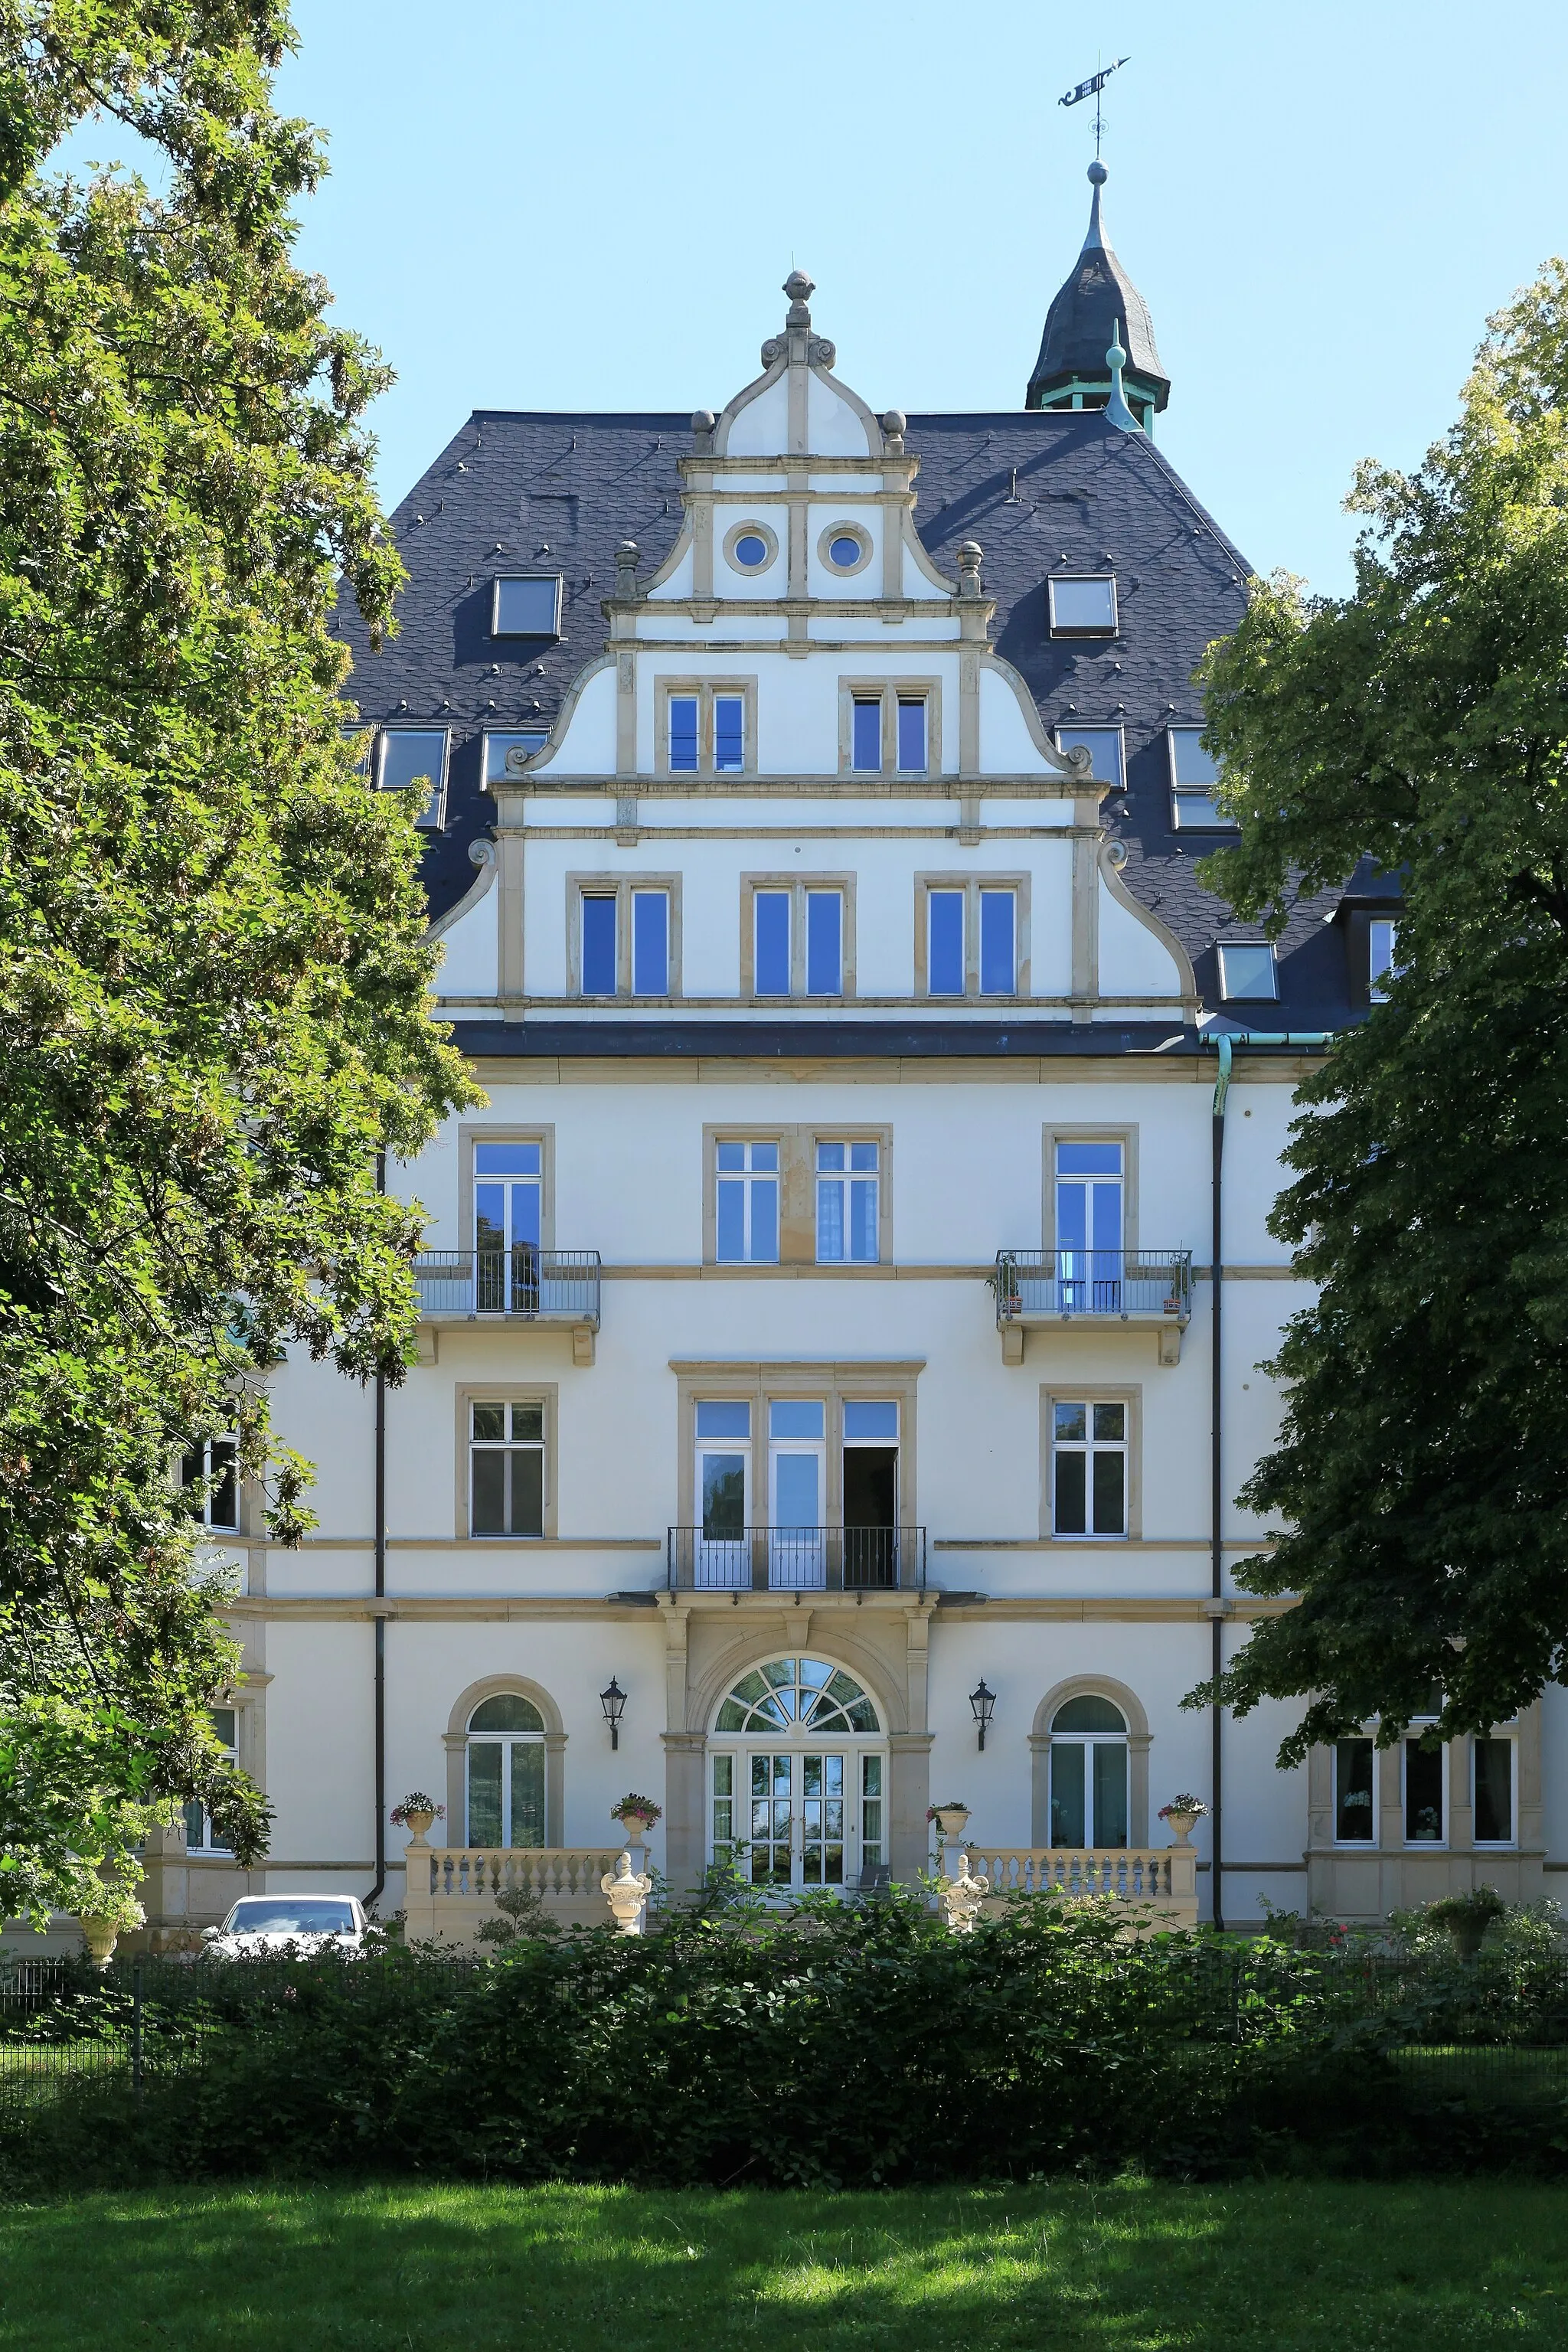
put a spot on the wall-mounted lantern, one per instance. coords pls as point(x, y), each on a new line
point(981, 1702)
point(614, 1702)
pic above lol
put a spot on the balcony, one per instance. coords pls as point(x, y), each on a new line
point(1146, 1290)
point(521, 1285)
point(797, 1560)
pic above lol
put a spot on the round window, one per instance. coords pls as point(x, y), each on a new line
point(750, 552)
point(843, 551)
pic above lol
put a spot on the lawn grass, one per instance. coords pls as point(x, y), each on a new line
point(1125, 2266)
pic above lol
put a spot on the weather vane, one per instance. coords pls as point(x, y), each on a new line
point(1091, 89)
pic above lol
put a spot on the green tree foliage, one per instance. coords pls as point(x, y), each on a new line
point(1423, 722)
point(212, 977)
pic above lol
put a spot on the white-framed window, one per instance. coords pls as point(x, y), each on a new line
point(502, 742)
point(1426, 1793)
point(199, 1837)
point(1494, 1790)
point(1106, 745)
point(797, 1779)
point(509, 1186)
point(848, 1187)
point(624, 942)
point(506, 1467)
point(1082, 604)
point(1247, 970)
point(414, 760)
point(1090, 1208)
point(723, 1468)
point(1194, 775)
point(1088, 1774)
point(210, 1475)
point(972, 937)
point(889, 731)
point(1381, 940)
point(797, 1479)
point(797, 940)
point(526, 604)
point(705, 731)
point(1355, 1807)
point(1089, 1466)
point(746, 1185)
point(505, 1773)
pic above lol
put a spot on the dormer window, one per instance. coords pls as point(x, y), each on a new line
point(527, 606)
point(1104, 746)
point(414, 760)
point(1194, 775)
point(1383, 933)
point(1082, 606)
point(501, 743)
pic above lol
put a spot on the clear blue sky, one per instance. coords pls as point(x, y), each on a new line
point(593, 207)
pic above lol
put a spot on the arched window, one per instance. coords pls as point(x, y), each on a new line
point(799, 1779)
point(1088, 1774)
point(506, 1772)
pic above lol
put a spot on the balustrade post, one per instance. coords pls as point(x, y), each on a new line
point(422, 1863)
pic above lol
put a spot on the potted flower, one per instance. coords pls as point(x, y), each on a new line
point(1003, 1281)
point(950, 1818)
point(1466, 1916)
point(113, 1913)
point(637, 1815)
point(1183, 1814)
point(415, 1814)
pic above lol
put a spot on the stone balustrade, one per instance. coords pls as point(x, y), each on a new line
point(451, 1889)
point(1162, 1879)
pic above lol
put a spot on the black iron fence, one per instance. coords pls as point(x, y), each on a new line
point(796, 1559)
point(1109, 1282)
point(536, 1284)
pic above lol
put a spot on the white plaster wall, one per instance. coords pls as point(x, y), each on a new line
point(1132, 960)
point(760, 429)
point(833, 428)
point(1007, 748)
point(469, 964)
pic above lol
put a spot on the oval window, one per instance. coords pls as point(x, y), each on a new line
point(843, 551)
point(751, 550)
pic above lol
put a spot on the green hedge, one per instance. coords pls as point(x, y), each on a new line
point(854, 2047)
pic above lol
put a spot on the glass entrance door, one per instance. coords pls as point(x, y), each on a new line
point(791, 1814)
point(797, 1460)
point(1089, 1227)
point(508, 1185)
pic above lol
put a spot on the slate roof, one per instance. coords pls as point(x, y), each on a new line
point(516, 489)
point(1097, 296)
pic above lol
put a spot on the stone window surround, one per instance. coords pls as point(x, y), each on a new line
point(620, 886)
point(1138, 1740)
point(798, 884)
point(1061, 1392)
point(763, 531)
point(971, 884)
point(1081, 1131)
point(705, 689)
point(541, 1132)
point(844, 529)
point(1523, 1733)
point(506, 1392)
point(456, 1742)
point(761, 1384)
point(889, 692)
point(797, 1185)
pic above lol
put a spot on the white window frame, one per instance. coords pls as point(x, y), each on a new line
point(510, 1447)
point(1076, 629)
point(1087, 1449)
point(1193, 808)
point(537, 635)
point(204, 1842)
point(701, 1447)
point(1498, 1846)
point(845, 1178)
point(433, 815)
point(1376, 972)
point(506, 1741)
point(494, 772)
point(1353, 1845)
point(739, 1747)
point(1066, 737)
point(1230, 995)
point(206, 1447)
point(745, 1178)
point(1087, 1741)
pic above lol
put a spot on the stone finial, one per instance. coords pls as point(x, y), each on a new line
point(893, 425)
point(626, 1891)
point(969, 561)
point(961, 1894)
point(1116, 409)
point(626, 570)
point(800, 290)
point(702, 422)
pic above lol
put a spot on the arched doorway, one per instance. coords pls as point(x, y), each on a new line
point(505, 1776)
point(1088, 1774)
point(799, 1779)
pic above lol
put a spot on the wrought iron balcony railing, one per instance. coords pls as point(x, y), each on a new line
point(532, 1285)
point(1111, 1285)
point(796, 1559)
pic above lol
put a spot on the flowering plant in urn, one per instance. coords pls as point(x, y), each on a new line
point(636, 1813)
point(417, 1813)
point(1183, 1813)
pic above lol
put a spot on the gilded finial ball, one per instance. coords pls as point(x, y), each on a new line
point(1098, 174)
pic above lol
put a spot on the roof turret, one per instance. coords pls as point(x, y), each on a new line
point(1098, 305)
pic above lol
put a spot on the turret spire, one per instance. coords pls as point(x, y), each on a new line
point(1098, 304)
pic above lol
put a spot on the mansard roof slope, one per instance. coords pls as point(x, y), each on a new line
point(1040, 489)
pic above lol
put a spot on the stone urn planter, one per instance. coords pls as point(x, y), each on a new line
point(415, 1814)
point(1182, 1816)
point(1181, 1826)
point(100, 1935)
point(626, 1891)
point(419, 1820)
point(952, 1821)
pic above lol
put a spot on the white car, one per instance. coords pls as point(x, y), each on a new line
point(279, 1926)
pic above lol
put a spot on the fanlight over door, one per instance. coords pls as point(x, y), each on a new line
point(797, 1779)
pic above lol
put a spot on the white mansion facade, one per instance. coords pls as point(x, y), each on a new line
point(817, 1369)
